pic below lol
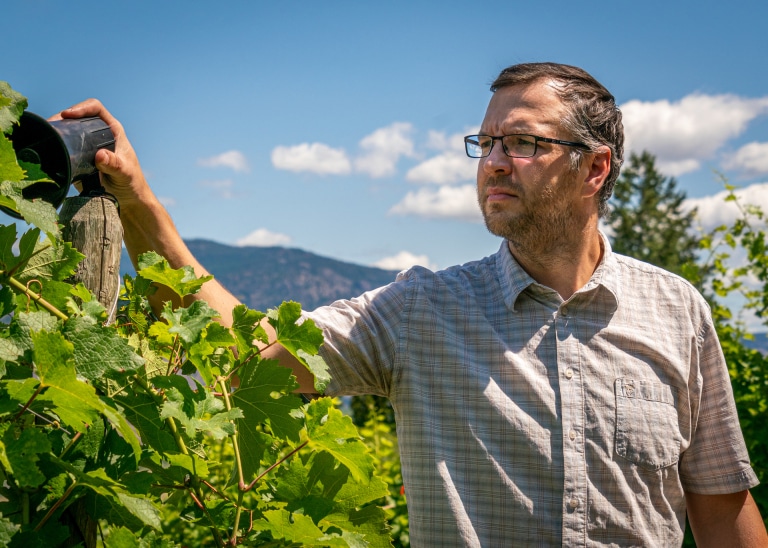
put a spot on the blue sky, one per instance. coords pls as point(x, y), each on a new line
point(335, 126)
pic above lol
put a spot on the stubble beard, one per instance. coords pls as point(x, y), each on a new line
point(544, 225)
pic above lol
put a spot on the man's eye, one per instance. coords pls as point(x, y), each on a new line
point(524, 141)
point(484, 142)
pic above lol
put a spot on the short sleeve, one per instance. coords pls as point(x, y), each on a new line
point(717, 461)
point(361, 338)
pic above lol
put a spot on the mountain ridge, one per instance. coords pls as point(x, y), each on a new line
point(263, 277)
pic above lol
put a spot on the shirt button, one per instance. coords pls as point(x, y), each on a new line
point(573, 503)
point(572, 436)
point(569, 373)
point(564, 311)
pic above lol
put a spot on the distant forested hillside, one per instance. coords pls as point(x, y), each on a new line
point(263, 277)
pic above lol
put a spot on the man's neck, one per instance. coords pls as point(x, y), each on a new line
point(565, 267)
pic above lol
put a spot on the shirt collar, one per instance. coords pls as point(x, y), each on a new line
point(514, 280)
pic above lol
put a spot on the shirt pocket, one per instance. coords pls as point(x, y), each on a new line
point(647, 429)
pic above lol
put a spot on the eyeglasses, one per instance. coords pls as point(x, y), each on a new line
point(515, 146)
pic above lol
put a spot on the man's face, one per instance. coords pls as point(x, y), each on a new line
point(527, 200)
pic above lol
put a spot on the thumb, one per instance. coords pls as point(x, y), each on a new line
point(109, 163)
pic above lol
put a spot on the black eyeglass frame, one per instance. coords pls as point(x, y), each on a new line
point(535, 138)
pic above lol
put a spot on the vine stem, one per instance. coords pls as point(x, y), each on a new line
point(29, 402)
point(239, 462)
point(35, 297)
point(56, 505)
point(71, 444)
point(278, 463)
point(172, 358)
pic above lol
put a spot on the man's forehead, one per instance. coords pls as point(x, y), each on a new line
point(525, 107)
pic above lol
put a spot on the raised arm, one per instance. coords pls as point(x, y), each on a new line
point(146, 223)
point(148, 227)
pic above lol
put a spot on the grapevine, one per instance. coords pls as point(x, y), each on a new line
point(168, 429)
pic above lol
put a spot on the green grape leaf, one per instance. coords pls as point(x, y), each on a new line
point(99, 351)
point(116, 417)
point(74, 401)
point(52, 534)
point(218, 336)
point(122, 538)
point(181, 281)
point(189, 322)
point(10, 170)
point(37, 212)
point(19, 392)
point(143, 413)
point(9, 350)
point(338, 486)
point(292, 335)
point(247, 328)
point(265, 397)
point(318, 368)
point(21, 455)
point(115, 504)
point(210, 355)
point(7, 530)
point(6, 301)
point(12, 105)
point(159, 330)
point(9, 261)
point(25, 323)
point(368, 524)
point(330, 430)
point(191, 463)
point(53, 259)
point(301, 339)
point(7, 241)
point(295, 529)
point(196, 412)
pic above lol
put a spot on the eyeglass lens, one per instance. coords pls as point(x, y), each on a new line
point(518, 146)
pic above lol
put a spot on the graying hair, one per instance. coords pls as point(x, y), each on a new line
point(592, 116)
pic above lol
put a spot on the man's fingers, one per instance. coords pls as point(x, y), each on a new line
point(90, 107)
point(109, 163)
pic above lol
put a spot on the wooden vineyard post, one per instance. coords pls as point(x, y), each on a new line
point(92, 224)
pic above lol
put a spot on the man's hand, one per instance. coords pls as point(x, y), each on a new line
point(726, 520)
point(121, 174)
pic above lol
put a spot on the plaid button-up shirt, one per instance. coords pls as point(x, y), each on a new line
point(524, 419)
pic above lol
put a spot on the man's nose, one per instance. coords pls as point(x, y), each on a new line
point(497, 161)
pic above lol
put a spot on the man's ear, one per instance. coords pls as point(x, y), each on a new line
point(598, 166)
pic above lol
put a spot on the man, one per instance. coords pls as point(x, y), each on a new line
point(553, 393)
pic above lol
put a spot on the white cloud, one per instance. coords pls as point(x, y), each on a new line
point(263, 238)
point(312, 157)
point(713, 211)
point(752, 159)
point(383, 148)
point(404, 260)
point(222, 188)
point(447, 202)
point(439, 140)
point(683, 133)
point(449, 167)
point(444, 169)
point(167, 201)
point(233, 159)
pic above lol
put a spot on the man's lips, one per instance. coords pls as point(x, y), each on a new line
point(495, 193)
